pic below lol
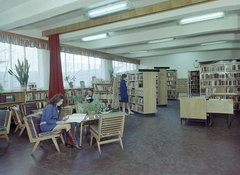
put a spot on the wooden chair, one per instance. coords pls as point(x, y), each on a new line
point(110, 125)
point(19, 118)
point(28, 107)
point(35, 135)
point(65, 111)
point(5, 121)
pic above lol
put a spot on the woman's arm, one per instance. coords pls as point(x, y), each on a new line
point(50, 114)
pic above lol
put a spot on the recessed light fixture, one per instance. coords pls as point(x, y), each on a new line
point(142, 51)
point(162, 40)
point(95, 37)
point(202, 18)
point(220, 42)
point(109, 9)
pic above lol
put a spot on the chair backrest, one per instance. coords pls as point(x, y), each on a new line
point(32, 123)
point(111, 124)
point(28, 107)
point(65, 111)
point(18, 115)
point(5, 120)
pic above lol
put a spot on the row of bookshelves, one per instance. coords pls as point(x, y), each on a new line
point(137, 84)
point(171, 83)
point(171, 92)
point(226, 90)
point(103, 88)
point(73, 92)
point(171, 78)
point(135, 77)
point(171, 74)
point(221, 83)
point(137, 100)
point(172, 97)
point(36, 96)
point(7, 98)
point(221, 75)
point(171, 87)
point(104, 96)
point(228, 67)
point(41, 105)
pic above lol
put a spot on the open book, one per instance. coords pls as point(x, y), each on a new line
point(75, 118)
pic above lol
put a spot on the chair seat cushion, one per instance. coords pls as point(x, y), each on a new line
point(50, 133)
point(94, 128)
point(3, 119)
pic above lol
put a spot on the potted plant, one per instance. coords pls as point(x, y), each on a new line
point(1, 88)
point(78, 100)
point(93, 108)
point(22, 69)
point(70, 81)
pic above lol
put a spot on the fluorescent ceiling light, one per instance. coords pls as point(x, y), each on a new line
point(95, 37)
point(159, 41)
point(202, 18)
point(220, 42)
point(143, 51)
point(109, 9)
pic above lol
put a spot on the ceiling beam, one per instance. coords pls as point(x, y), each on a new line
point(143, 11)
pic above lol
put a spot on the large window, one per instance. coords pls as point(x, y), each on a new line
point(123, 67)
point(82, 67)
point(9, 54)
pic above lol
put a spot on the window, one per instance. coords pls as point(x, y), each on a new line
point(82, 67)
point(123, 67)
point(9, 54)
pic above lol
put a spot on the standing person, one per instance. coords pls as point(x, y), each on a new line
point(90, 97)
point(50, 120)
point(124, 95)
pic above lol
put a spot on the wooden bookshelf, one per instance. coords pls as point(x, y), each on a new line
point(38, 96)
point(193, 83)
point(104, 92)
point(72, 92)
point(141, 100)
point(172, 84)
point(221, 80)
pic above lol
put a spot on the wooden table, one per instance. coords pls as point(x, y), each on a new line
point(197, 108)
point(86, 119)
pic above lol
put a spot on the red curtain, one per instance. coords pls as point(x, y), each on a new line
point(56, 79)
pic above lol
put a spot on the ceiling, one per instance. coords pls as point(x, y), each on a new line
point(31, 18)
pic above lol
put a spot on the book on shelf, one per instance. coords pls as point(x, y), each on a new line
point(7, 98)
point(226, 67)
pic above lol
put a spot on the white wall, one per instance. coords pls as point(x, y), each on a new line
point(183, 62)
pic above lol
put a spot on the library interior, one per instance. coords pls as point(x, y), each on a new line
point(120, 87)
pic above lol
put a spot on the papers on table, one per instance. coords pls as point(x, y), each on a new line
point(75, 118)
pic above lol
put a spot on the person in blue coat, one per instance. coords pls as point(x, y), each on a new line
point(124, 94)
point(50, 120)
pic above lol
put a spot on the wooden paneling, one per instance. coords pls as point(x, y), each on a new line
point(149, 87)
point(143, 11)
point(224, 106)
point(182, 85)
point(162, 87)
point(193, 108)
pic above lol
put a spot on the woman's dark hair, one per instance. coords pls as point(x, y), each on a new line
point(91, 90)
point(124, 76)
point(56, 98)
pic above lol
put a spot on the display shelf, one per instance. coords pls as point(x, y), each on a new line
point(141, 80)
point(221, 80)
point(194, 83)
point(172, 84)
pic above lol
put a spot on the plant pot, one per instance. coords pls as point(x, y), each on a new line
point(91, 115)
point(24, 87)
point(71, 86)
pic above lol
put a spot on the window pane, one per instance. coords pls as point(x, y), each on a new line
point(78, 69)
point(32, 57)
point(84, 75)
point(4, 65)
point(17, 53)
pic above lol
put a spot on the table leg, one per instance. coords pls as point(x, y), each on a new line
point(80, 141)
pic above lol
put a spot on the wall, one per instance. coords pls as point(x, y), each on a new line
point(183, 62)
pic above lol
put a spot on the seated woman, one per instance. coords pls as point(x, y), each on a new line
point(90, 97)
point(50, 120)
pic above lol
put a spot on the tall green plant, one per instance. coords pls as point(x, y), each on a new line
point(22, 69)
point(1, 88)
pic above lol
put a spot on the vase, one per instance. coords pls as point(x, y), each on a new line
point(24, 87)
point(91, 115)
